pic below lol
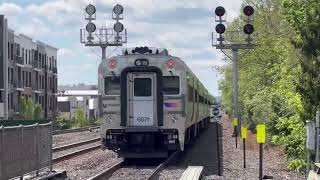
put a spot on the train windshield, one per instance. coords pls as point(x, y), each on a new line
point(112, 85)
point(171, 85)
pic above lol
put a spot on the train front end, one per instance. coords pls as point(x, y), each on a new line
point(134, 122)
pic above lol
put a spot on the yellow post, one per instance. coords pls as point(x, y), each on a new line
point(235, 124)
point(261, 139)
point(244, 136)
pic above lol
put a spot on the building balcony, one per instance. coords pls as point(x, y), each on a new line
point(55, 70)
point(19, 60)
point(36, 65)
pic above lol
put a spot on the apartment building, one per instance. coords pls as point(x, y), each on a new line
point(28, 68)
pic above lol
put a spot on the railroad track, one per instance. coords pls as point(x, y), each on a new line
point(76, 152)
point(74, 130)
point(69, 146)
point(121, 164)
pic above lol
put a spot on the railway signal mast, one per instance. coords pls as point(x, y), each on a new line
point(103, 37)
point(223, 42)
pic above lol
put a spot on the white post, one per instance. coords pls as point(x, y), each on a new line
point(317, 136)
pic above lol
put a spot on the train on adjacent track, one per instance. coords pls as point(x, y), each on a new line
point(151, 103)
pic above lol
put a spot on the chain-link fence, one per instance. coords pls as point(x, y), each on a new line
point(24, 149)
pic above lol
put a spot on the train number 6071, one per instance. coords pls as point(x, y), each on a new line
point(143, 119)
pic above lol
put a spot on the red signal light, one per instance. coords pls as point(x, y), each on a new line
point(220, 28)
point(220, 11)
point(248, 10)
point(170, 64)
point(113, 64)
point(248, 29)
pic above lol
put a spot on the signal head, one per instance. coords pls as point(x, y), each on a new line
point(90, 9)
point(248, 10)
point(90, 27)
point(118, 9)
point(248, 29)
point(118, 27)
point(220, 11)
point(220, 28)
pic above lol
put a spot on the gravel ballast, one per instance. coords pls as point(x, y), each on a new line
point(274, 163)
point(88, 165)
point(69, 138)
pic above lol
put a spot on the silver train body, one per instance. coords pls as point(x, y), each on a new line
point(151, 103)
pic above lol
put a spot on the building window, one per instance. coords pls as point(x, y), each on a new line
point(22, 50)
point(8, 49)
point(30, 79)
point(22, 78)
point(1, 101)
point(11, 52)
point(18, 49)
point(26, 56)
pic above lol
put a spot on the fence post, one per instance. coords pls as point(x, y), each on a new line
point(1, 154)
point(317, 136)
point(50, 126)
point(21, 151)
point(37, 148)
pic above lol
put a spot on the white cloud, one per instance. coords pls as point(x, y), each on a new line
point(10, 9)
point(65, 53)
point(34, 28)
point(157, 23)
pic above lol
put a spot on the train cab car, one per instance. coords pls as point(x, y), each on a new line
point(151, 103)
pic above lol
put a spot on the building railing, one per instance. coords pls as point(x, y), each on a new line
point(36, 64)
point(55, 70)
point(19, 60)
point(24, 149)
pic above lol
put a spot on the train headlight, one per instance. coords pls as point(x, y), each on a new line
point(174, 119)
point(141, 62)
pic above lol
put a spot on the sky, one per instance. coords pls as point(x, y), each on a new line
point(183, 27)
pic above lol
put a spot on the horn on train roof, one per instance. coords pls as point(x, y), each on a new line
point(145, 50)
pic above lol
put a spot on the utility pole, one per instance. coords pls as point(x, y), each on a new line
point(221, 43)
point(5, 67)
point(103, 37)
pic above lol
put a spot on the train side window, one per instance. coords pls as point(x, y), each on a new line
point(171, 85)
point(190, 93)
point(112, 85)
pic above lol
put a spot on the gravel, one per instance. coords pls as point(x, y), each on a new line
point(274, 163)
point(132, 173)
point(67, 151)
point(88, 165)
point(69, 138)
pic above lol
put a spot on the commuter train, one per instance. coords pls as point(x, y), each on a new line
point(151, 103)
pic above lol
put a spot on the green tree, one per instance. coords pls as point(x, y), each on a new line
point(26, 108)
point(29, 110)
point(38, 112)
point(79, 119)
point(269, 77)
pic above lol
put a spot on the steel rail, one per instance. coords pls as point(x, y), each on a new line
point(74, 130)
point(75, 153)
point(159, 168)
point(108, 172)
point(69, 146)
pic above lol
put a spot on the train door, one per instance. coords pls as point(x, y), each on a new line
point(142, 96)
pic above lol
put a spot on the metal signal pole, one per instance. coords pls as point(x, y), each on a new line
point(221, 43)
point(103, 37)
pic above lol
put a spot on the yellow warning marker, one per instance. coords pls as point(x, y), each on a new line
point(243, 133)
point(244, 136)
point(261, 139)
point(261, 133)
point(235, 121)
